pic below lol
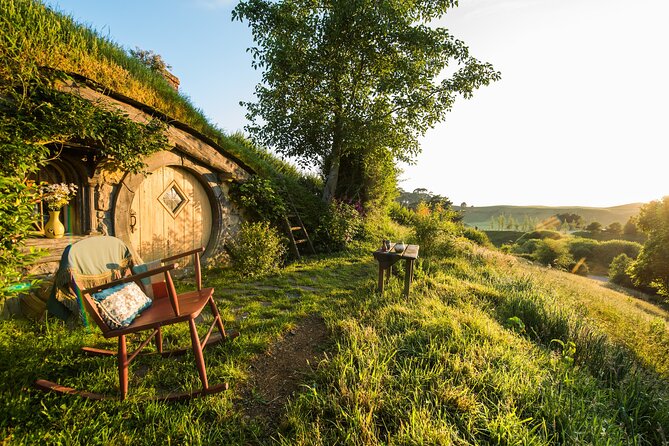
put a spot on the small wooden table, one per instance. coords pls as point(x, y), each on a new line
point(387, 259)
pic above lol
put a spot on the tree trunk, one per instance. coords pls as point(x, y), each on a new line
point(333, 175)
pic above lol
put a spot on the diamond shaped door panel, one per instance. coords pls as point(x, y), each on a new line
point(172, 214)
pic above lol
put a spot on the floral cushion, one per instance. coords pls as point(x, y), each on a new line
point(120, 305)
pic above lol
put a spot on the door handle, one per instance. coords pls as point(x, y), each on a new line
point(133, 221)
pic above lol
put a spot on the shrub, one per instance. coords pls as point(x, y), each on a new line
point(259, 196)
point(553, 253)
point(478, 237)
point(605, 252)
point(581, 248)
point(401, 214)
point(258, 249)
point(340, 225)
point(527, 247)
point(543, 234)
point(430, 232)
point(618, 271)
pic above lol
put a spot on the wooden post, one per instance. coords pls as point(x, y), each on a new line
point(408, 276)
point(381, 278)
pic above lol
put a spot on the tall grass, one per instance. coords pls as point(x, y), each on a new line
point(486, 350)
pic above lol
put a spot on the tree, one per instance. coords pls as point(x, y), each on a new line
point(652, 265)
point(595, 226)
point(630, 227)
point(615, 228)
point(573, 220)
point(350, 87)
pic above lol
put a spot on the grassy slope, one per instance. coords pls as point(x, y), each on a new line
point(480, 216)
point(445, 366)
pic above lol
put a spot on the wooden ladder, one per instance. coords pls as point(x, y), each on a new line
point(297, 233)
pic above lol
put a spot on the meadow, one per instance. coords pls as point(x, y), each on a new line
point(487, 349)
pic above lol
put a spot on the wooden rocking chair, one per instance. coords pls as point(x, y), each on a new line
point(173, 309)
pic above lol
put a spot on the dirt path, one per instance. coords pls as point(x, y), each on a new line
point(280, 372)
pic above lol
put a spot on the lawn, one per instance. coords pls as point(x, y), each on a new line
point(486, 350)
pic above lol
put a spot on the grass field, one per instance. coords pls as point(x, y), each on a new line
point(480, 216)
point(486, 350)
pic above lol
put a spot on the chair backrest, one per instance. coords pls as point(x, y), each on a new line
point(99, 256)
point(88, 262)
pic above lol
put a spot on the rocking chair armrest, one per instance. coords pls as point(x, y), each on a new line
point(132, 278)
point(199, 250)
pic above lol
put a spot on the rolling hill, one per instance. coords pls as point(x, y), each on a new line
point(481, 216)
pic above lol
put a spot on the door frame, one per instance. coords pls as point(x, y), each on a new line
point(131, 183)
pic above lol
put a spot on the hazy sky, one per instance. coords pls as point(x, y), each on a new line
point(579, 118)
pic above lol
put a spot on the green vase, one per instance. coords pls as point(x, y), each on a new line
point(54, 228)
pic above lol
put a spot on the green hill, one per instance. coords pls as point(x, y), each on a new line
point(481, 216)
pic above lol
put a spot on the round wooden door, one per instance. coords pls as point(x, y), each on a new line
point(170, 213)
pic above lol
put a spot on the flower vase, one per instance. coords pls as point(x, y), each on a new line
point(54, 228)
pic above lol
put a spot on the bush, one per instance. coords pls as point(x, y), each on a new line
point(260, 196)
point(430, 232)
point(605, 252)
point(478, 237)
point(340, 225)
point(618, 271)
point(527, 247)
point(401, 214)
point(581, 248)
point(553, 253)
point(258, 249)
point(543, 234)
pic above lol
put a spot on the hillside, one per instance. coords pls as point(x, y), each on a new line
point(486, 350)
point(481, 216)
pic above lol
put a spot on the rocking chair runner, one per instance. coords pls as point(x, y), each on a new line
point(174, 308)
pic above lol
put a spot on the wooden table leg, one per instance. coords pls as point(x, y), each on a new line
point(408, 276)
point(380, 279)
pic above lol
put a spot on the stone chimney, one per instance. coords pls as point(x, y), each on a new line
point(171, 79)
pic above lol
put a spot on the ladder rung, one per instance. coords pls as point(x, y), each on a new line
point(300, 241)
point(296, 228)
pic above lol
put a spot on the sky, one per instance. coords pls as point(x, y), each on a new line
point(579, 117)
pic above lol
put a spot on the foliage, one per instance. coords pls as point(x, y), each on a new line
point(652, 265)
point(354, 84)
point(151, 60)
point(614, 228)
point(340, 224)
point(553, 253)
point(605, 252)
point(543, 234)
point(16, 221)
point(401, 214)
point(478, 237)
point(618, 271)
point(630, 227)
point(573, 220)
point(595, 226)
point(259, 196)
point(258, 249)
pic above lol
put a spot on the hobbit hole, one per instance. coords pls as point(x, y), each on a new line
point(180, 201)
